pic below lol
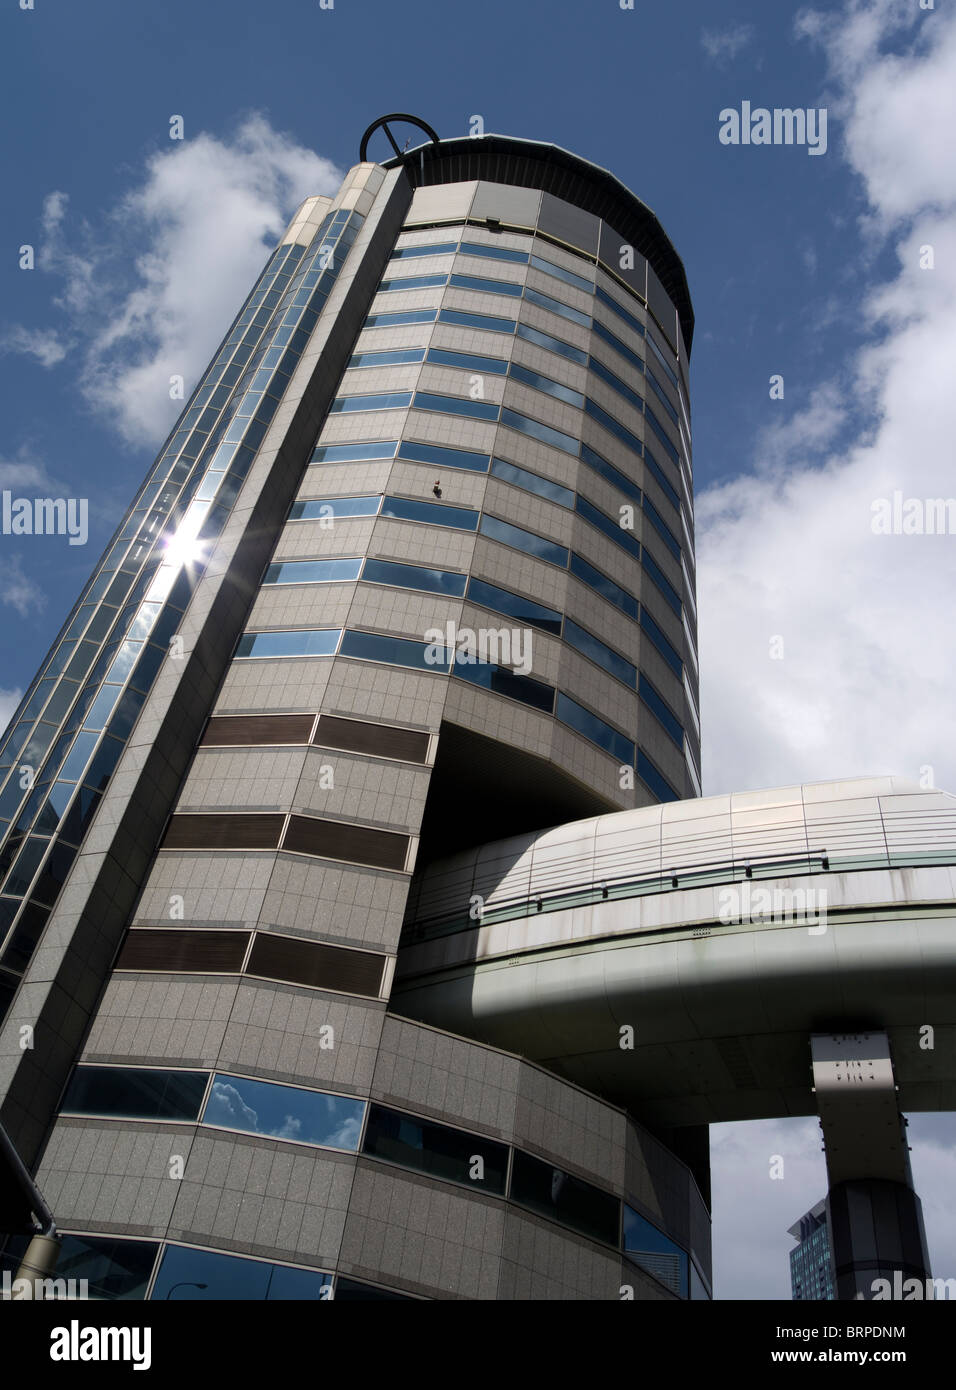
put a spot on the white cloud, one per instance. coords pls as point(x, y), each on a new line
point(74, 269)
point(26, 475)
point(722, 45)
point(150, 290)
point(42, 343)
point(865, 683)
point(9, 699)
point(18, 590)
point(23, 476)
point(227, 1107)
point(25, 472)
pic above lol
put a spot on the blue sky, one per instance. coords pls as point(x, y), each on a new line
point(799, 265)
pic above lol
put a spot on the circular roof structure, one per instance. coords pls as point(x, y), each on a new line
point(534, 164)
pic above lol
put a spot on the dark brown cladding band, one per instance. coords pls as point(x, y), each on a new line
point(171, 948)
point(324, 839)
point(238, 830)
point(357, 736)
point(236, 730)
point(358, 844)
point(316, 964)
point(349, 735)
point(291, 960)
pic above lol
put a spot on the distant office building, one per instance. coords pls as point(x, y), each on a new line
point(811, 1263)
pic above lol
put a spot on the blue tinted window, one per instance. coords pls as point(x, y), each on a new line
point(650, 1249)
point(288, 1283)
point(604, 586)
point(599, 653)
point(616, 384)
point(525, 425)
point(545, 340)
point(608, 525)
point(469, 361)
point(608, 337)
point(503, 601)
point(615, 427)
point(588, 724)
point(607, 470)
point(21, 943)
point(187, 1275)
point(662, 436)
point(412, 282)
point(27, 863)
point(301, 642)
point(56, 803)
point(347, 453)
point(486, 321)
point(456, 405)
point(398, 357)
point(654, 468)
point(102, 763)
point(387, 400)
point(520, 539)
point(501, 681)
point(441, 454)
point(657, 782)
point(661, 642)
point(284, 1112)
point(618, 309)
point(137, 1093)
point(126, 659)
point(660, 579)
point(662, 529)
point(102, 707)
point(564, 1198)
point(545, 383)
point(408, 509)
point(658, 390)
point(39, 699)
point(73, 828)
point(474, 282)
point(395, 651)
point(115, 1269)
point(545, 301)
point(354, 1291)
point(437, 1149)
point(414, 577)
point(439, 248)
point(560, 273)
point(493, 253)
point(317, 508)
point(312, 571)
point(663, 361)
point(659, 706)
point(532, 482)
point(401, 316)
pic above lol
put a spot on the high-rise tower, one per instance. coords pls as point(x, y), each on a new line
point(811, 1264)
point(413, 572)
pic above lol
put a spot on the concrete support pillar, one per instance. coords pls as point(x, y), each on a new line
point(874, 1218)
